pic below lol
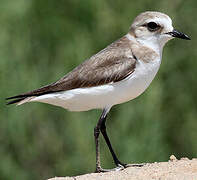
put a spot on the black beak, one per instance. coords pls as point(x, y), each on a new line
point(178, 34)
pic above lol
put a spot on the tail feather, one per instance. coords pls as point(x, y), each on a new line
point(17, 97)
point(16, 100)
point(22, 98)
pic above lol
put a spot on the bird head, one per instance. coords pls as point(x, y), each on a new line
point(154, 28)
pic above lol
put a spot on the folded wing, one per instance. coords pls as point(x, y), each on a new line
point(108, 66)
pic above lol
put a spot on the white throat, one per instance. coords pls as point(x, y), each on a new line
point(151, 42)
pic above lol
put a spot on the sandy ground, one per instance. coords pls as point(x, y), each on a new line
point(174, 169)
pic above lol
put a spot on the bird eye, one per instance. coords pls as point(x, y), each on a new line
point(152, 26)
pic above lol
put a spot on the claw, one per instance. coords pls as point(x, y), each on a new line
point(120, 167)
point(135, 165)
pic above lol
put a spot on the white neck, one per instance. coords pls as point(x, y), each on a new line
point(152, 43)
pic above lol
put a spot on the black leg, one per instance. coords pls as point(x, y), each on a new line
point(100, 127)
point(96, 136)
point(104, 133)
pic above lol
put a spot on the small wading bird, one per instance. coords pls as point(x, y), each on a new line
point(119, 73)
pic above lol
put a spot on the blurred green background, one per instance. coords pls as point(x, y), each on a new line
point(40, 41)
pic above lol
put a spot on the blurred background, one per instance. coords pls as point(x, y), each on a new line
point(40, 41)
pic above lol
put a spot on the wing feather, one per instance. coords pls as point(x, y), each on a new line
point(112, 64)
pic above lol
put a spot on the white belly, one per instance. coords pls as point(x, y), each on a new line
point(83, 99)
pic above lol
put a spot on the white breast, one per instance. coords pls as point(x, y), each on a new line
point(137, 83)
point(83, 99)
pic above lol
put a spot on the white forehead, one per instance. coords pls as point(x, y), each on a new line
point(161, 20)
point(151, 16)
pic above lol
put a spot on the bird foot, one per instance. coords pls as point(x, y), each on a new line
point(118, 168)
point(135, 165)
